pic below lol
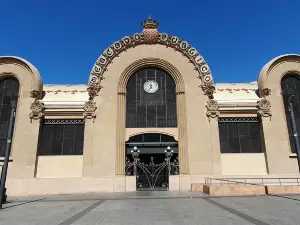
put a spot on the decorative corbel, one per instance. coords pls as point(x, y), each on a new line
point(208, 89)
point(212, 109)
point(37, 109)
point(89, 110)
point(264, 108)
point(93, 90)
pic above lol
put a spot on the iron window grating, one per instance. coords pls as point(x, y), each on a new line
point(63, 121)
point(239, 119)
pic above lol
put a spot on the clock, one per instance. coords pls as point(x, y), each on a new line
point(150, 86)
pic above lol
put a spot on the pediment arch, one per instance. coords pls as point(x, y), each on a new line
point(150, 36)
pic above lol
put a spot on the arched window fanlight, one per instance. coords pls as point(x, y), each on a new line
point(151, 99)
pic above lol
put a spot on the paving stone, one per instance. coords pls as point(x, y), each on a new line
point(162, 208)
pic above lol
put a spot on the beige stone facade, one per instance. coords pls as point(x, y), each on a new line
point(102, 105)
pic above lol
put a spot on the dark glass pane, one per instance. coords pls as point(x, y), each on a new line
point(137, 138)
point(61, 138)
point(223, 130)
point(151, 137)
point(290, 85)
point(245, 143)
point(233, 130)
point(156, 109)
point(234, 145)
point(243, 129)
point(68, 139)
point(167, 138)
point(240, 135)
point(256, 145)
point(9, 90)
point(224, 144)
point(79, 139)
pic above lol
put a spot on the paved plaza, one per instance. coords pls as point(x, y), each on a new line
point(145, 208)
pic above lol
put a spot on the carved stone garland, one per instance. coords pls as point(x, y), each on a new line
point(37, 107)
point(212, 109)
point(89, 110)
point(150, 35)
point(264, 108)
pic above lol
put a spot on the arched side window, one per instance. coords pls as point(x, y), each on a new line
point(9, 90)
point(151, 99)
point(290, 85)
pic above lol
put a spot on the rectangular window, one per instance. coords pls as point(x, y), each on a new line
point(240, 135)
point(61, 137)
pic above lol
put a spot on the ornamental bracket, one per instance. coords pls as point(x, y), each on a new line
point(212, 109)
point(264, 108)
point(89, 110)
point(37, 110)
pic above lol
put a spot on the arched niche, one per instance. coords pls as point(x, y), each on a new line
point(25, 137)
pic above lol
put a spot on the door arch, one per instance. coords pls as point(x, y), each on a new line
point(152, 157)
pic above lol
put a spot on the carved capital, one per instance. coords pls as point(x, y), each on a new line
point(264, 108)
point(266, 92)
point(93, 90)
point(212, 109)
point(89, 110)
point(208, 89)
point(37, 110)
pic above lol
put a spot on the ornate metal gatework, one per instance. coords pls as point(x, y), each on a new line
point(152, 175)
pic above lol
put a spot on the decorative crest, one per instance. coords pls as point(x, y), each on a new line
point(150, 24)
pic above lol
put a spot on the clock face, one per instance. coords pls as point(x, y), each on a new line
point(151, 86)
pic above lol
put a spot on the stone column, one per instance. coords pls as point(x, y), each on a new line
point(182, 134)
point(121, 117)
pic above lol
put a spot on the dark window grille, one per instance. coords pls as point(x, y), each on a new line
point(151, 109)
point(61, 137)
point(9, 90)
point(240, 135)
point(290, 85)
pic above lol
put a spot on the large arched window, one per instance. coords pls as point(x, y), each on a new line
point(290, 85)
point(151, 99)
point(9, 90)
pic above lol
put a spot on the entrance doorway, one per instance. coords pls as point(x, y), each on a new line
point(152, 158)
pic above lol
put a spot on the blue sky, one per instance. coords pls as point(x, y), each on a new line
point(63, 38)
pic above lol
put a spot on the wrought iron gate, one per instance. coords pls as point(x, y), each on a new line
point(152, 175)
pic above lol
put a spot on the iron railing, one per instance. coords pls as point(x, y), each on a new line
point(260, 181)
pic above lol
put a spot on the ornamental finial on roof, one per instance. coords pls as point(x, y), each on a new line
point(150, 24)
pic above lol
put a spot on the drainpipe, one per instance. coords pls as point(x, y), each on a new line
point(296, 138)
point(7, 151)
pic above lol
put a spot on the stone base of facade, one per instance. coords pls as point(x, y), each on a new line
point(52, 186)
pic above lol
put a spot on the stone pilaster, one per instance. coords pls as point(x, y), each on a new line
point(121, 117)
point(182, 134)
